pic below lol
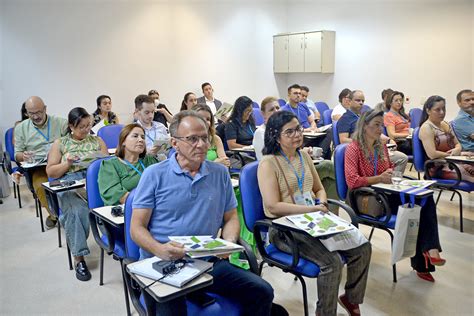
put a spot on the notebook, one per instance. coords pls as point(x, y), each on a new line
point(193, 269)
point(205, 246)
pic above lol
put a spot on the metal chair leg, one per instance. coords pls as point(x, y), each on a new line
point(69, 258)
point(101, 282)
point(14, 190)
point(452, 196)
point(125, 289)
point(439, 195)
point(41, 216)
point(36, 206)
point(461, 226)
point(18, 194)
point(305, 296)
point(394, 267)
point(59, 235)
point(371, 233)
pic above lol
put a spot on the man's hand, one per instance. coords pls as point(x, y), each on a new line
point(171, 251)
point(224, 118)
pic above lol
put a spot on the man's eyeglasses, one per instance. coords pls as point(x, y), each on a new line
point(193, 139)
point(291, 132)
point(38, 113)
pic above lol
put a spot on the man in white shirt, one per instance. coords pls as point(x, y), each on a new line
point(154, 131)
point(208, 97)
point(344, 103)
point(309, 103)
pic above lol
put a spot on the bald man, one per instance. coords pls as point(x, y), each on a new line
point(33, 138)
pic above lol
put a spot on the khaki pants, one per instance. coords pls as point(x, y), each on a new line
point(39, 176)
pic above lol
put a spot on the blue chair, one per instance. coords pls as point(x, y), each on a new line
point(415, 117)
point(386, 222)
point(255, 105)
point(258, 117)
point(110, 135)
point(112, 239)
point(422, 164)
point(222, 306)
point(365, 108)
point(327, 117)
point(10, 154)
point(281, 102)
point(255, 220)
point(321, 106)
point(335, 134)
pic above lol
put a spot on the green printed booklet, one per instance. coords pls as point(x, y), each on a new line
point(205, 246)
point(320, 224)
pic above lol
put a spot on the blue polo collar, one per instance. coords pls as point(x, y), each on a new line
point(174, 165)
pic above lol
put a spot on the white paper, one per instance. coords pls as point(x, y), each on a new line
point(418, 183)
point(349, 239)
point(97, 126)
point(324, 128)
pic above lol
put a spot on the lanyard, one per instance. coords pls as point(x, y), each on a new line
point(45, 137)
point(300, 180)
point(251, 131)
point(375, 162)
point(134, 168)
point(154, 135)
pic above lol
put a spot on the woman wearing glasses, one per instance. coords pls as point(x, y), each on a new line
point(120, 175)
point(289, 185)
point(64, 162)
point(240, 128)
point(398, 122)
point(367, 162)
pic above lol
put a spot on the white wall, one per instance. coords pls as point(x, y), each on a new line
point(69, 52)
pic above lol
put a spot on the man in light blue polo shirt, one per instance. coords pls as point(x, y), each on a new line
point(463, 124)
point(187, 195)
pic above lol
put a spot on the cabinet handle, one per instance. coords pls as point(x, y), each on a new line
point(301, 45)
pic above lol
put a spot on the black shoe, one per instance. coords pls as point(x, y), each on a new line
point(50, 222)
point(82, 272)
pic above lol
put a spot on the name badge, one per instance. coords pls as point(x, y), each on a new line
point(304, 199)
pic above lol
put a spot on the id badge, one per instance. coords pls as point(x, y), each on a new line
point(304, 199)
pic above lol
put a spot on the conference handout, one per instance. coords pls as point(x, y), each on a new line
point(205, 246)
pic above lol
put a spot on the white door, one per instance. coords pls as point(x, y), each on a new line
point(296, 53)
point(312, 52)
point(280, 53)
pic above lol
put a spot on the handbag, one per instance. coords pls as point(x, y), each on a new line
point(367, 203)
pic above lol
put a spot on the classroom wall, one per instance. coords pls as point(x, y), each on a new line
point(69, 52)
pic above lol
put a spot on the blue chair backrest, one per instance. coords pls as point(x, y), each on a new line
point(339, 159)
point(415, 117)
point(335, 134)
point(365, 108)
point(93, 194)
point(132, 250)
point(321, 106)
point(419, 154)
point(257, 116)
point(110, 134)
point(9, 143)
point(281, 102)
point(252, 205)
point(255, 105)
point(327, 117)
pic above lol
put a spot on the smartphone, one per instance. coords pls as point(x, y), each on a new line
point(55, 183)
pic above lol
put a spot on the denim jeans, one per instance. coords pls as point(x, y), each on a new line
point(254, 294)
point(75, 216)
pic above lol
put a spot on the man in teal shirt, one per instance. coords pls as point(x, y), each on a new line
point(33, 138)
point(463, 124)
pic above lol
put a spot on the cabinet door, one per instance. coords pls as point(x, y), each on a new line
point(296, 53)
point(280, 53)
point(312, 52)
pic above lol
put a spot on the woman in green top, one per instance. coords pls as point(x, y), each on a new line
point(216, 151)
point(64, 162)
point(118, 176)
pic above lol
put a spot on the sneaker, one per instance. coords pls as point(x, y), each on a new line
point(352, 309)
point(51, 222)
point(82, 272)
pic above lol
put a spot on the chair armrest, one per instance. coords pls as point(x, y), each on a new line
point(451, 165)
point(95, 232)
point(379, 196)
point(261, 246)
point(348, 209)
point(251, 258)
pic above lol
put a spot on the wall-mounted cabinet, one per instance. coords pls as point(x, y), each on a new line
point(304, 52)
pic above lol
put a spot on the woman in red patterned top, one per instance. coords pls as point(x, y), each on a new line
point(367, 163)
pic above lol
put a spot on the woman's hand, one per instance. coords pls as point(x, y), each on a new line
point(70, 159)
point(321, 208)
point(225, 161)
point(454, 152)
point(386, 176)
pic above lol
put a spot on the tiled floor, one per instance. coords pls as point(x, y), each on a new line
point(35, 278)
